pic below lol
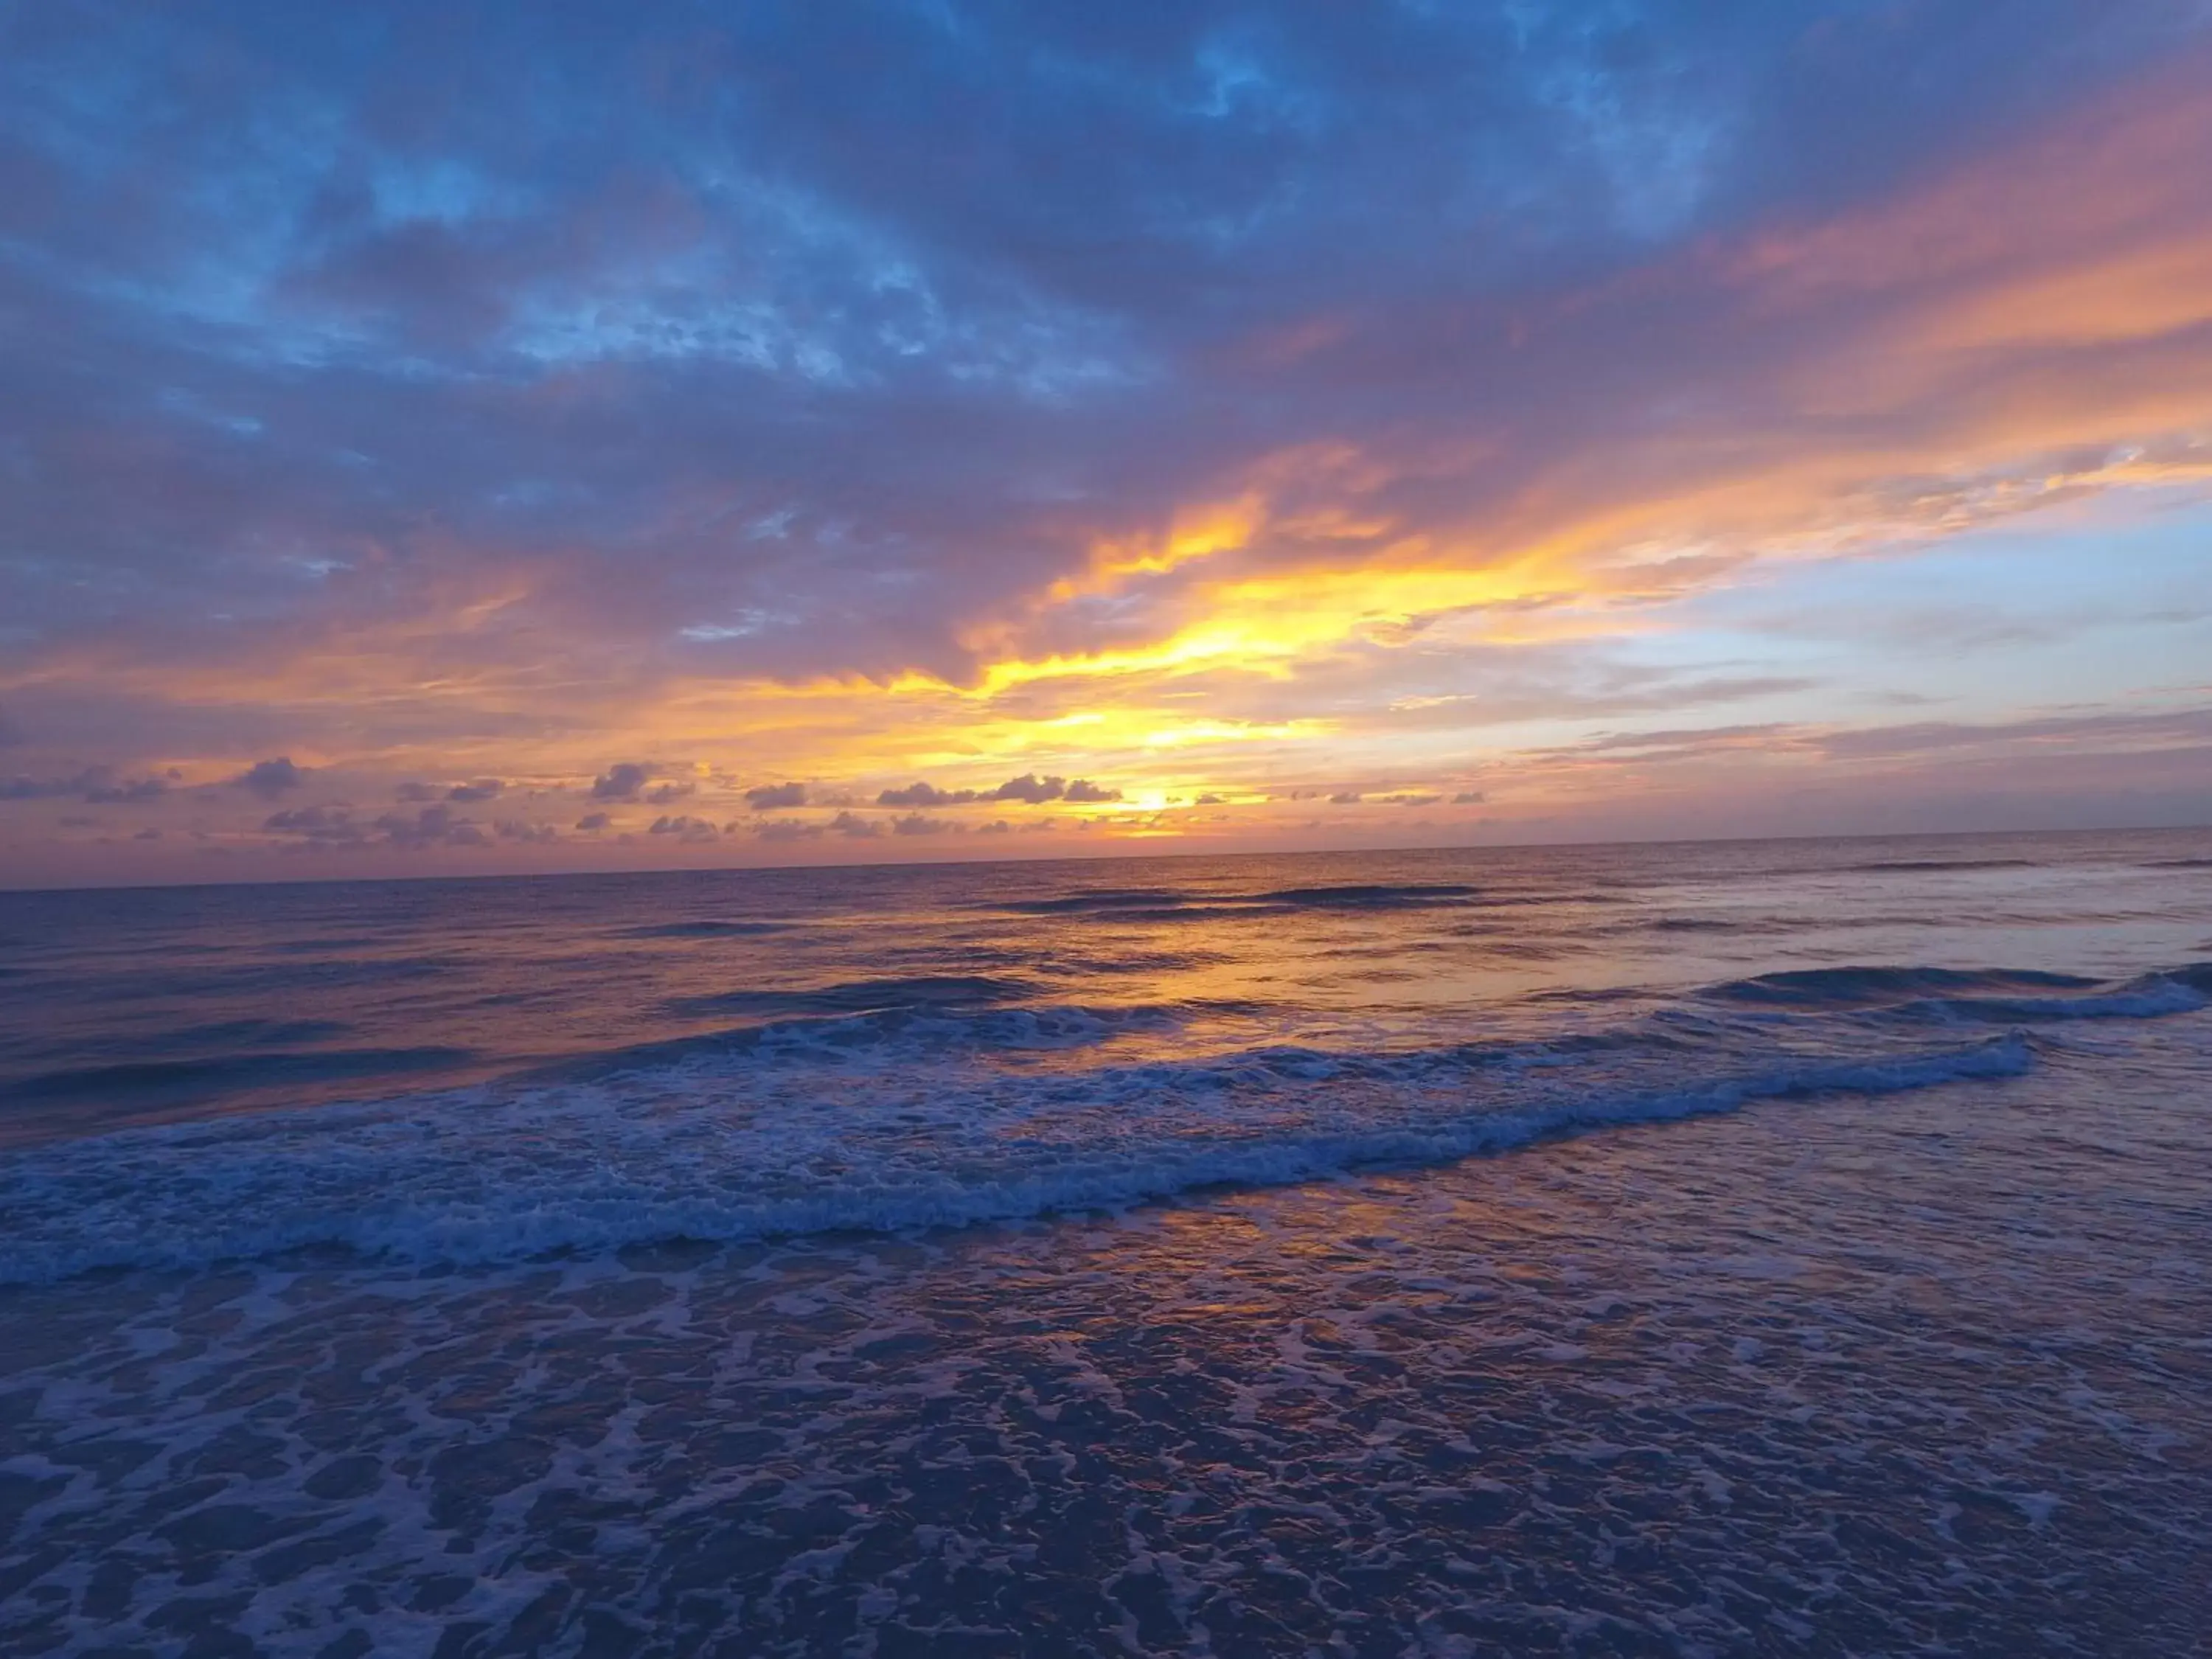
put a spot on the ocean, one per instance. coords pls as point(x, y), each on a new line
point(1752, 1247)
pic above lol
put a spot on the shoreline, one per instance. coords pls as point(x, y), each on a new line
point(1814, 1376)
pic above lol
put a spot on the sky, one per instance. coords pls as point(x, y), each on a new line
point(483, 437)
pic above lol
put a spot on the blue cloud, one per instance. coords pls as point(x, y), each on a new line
point(271, 777)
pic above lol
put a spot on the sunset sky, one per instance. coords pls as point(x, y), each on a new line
point(475, 437)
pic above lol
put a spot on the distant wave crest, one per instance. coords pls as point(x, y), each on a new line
point(1143, 905)
point(1931, 866)
point(1986, 993)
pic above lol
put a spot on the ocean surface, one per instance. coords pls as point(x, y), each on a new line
point(1791, 1248)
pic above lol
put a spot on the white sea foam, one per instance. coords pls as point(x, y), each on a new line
point(904, 1118)
point(718, 1148)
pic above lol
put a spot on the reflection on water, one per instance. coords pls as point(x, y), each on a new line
point(141, 1006)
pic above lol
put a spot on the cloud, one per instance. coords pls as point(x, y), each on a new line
point(1410, 800)
point(1468, 797)
point(2182, 728)
point(98, 785)
point(481, 790)
point(593, 823)
point(271, 777)
point(332, 825)
point(662, 794)
point(1671, 742)
point(1082, 789)
point(923, 794)
point(775, 797)
point(621, 782)
point(516, 829)
point(327, 826)
point(685, 828)
point(1346, 798)
point(1031, 788)
point(1910, 754)
point(432, 826)
point(854, 825)
point(915, 824)
point(789, 830)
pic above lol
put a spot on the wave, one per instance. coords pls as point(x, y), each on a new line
point(1062, 964)
point(861, 996)
point(2008, 996)
point(226, 1037)
point(1374, 898)
point(885, 1035)
point(470, 1181)
point(1148, 905)
point(214, 1075)
point(281, 980)
point(1860, 987)
point(708, 930)
point(1236, 910)
point(326, 945)
point(913, 1117)
point(1924, 866)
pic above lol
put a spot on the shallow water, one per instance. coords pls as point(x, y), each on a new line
point(1862, 1311)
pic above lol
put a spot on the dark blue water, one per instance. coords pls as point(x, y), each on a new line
point(1083, 1257)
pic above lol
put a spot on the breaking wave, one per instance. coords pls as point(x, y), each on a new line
point(911, 1117)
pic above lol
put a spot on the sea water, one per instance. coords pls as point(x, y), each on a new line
point(1789, 1246)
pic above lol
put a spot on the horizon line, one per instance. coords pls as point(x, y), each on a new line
point(1096, 858)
